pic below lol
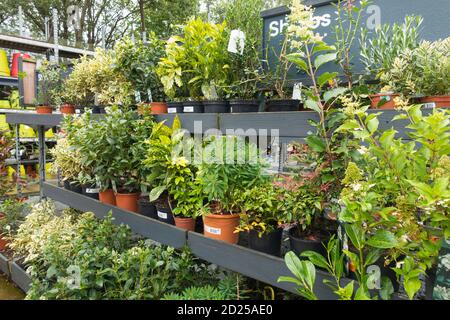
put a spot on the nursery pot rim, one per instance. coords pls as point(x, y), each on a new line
point(223, 216)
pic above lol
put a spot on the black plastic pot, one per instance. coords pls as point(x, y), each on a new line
point(90, 190)
point(216, 106)
point(76, 187)
point(165, 215)
point(95, 109)
point(66, 184)
point(299, 245)
point(147, 208)
point(239, 106)
point(269, 243)
point(193, 107)
point(174, 107)
point(102, 109)
point(277, 105)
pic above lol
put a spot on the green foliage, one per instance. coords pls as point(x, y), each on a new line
point(402, 189)
point(80, 257)
point(12, 215)
point(197, 61)
point(97, 76)
point(388, 42)
point(137, 62)
point(49, 84)
point(229, 166)
point(265, 207)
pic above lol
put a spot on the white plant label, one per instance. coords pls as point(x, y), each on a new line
point(188, 109)
point(149, 95)
point(429, 105)
point(236, 43)
point(162, 215)
point(92, 190)
point(171, 110)
point(137, 95)
point(212, 230)
point(297, 91)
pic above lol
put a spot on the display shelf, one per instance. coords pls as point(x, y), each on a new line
point(248, 262)
point(147, 227)
point(19, 276)
point(4, 264)
point(9, 81)
point(13, 162)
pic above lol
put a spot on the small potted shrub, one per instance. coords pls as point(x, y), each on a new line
point(265, 209)
point(137, 62)
point(48, 87)
point(157, 161)
point(229, 166)
point(379, 53)
point(433, 75)
point(246, 76)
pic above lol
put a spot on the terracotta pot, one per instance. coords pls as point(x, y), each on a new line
point(221, 227)
point(107, 197)
point(435, 102)
point(375, 99)
point(3, 243)
point(44, 109)
point(185, 223)
point(67, 109)
point(128, 201)
point(158, 107)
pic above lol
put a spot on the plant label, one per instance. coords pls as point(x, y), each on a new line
point(91, 190)
point(188, 109)
point(297, 92)
point(149, 95)
point(429, 105)
point(212, 230)
point(137, 96)
point(236, 43)
point(162, 215)
point(171, 110)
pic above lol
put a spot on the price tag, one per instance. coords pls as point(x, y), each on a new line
point(171, 110)
point(212, 230)
point(297, 92)
point(188, 109)
point(92, 190)
point(236, 43)
point(162, 215)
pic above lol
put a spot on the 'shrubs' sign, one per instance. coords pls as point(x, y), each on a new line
point(436, 25)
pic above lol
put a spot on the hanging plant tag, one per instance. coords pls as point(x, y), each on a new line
point(188, 109)
point(137, 95)
point(162, 215)
point(297, 92)
point(236, 43)
point(212, 230)
point(149, 95)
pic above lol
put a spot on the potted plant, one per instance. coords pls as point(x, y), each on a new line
point(245, 77)
point(229, 166)
point(379, 53)
point(265, 208)
point(137, 62)
point(433, 76)
point(48, 84)
point(171, 174)
point(11, 216)
point(197, 62)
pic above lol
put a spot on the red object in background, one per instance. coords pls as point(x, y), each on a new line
point(15, 62)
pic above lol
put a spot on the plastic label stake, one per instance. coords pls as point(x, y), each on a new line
point(236, 43)
point(162, 215)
